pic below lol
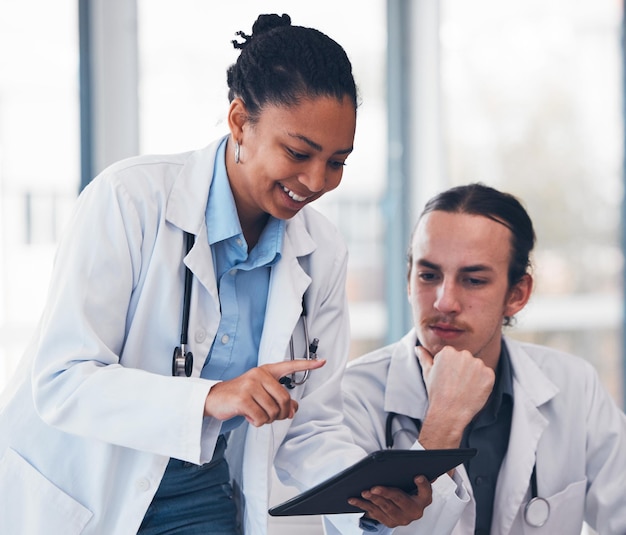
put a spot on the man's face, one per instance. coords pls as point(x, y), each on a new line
point(458, 283)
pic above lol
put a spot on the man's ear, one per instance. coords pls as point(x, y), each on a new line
point(237, 118)
point(518, 296)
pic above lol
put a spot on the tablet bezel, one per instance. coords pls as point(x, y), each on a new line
point(388, 468)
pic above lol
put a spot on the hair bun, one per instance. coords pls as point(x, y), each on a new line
point(265, 23)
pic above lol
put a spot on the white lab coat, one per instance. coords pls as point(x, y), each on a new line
point(562, 416)
point(93, 414)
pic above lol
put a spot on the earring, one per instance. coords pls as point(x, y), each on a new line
point(237, 151)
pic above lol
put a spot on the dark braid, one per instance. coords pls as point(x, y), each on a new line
point(281, 64)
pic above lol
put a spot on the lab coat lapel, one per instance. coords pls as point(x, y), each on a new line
point(186, 204)
point(204, 313)
point(200, 261)
point(186, 207)
point(409, 396)
point(531, 389)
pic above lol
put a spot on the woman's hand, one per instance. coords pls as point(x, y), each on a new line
point(257, 395)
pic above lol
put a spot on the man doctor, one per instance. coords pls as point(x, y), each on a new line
point(551, 442)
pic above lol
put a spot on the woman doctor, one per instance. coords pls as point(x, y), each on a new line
point(96, 435)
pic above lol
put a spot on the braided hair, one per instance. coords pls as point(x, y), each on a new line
point(281, 64)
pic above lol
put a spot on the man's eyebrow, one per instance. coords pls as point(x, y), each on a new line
point(475, 268)
point(466, 269)
point(425, 263)
point(317, 146)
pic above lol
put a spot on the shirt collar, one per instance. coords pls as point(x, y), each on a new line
point(505, 370)
point(268, 249)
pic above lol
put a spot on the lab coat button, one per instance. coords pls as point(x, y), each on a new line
point(200, 336)
point(143, 484)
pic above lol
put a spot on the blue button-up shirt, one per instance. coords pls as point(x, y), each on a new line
point(242, 281)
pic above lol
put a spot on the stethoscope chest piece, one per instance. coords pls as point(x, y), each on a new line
point(182, 362)
point(537, 512)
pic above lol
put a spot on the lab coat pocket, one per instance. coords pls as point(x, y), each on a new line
point(566, 512)
point(32, 504)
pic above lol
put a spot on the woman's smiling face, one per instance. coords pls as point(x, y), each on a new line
point(289, 156)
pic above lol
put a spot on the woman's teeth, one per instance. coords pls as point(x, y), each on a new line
point(293, 195)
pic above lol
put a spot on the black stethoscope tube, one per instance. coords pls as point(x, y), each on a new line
point(187, 298)
point(389, 434)
point(182, 360)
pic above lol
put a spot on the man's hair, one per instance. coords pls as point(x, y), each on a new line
point(281, 64)
point(478, 199)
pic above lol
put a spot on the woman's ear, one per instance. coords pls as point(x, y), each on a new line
point(518, 296)
point(237, 117)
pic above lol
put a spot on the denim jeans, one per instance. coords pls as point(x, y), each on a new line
point(193, 500)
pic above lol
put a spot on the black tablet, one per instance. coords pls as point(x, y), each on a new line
point(388, 468)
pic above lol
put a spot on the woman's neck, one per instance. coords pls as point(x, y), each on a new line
point(252, 227)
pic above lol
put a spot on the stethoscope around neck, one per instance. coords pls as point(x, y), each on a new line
point(182, 360)
point(536, 511)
